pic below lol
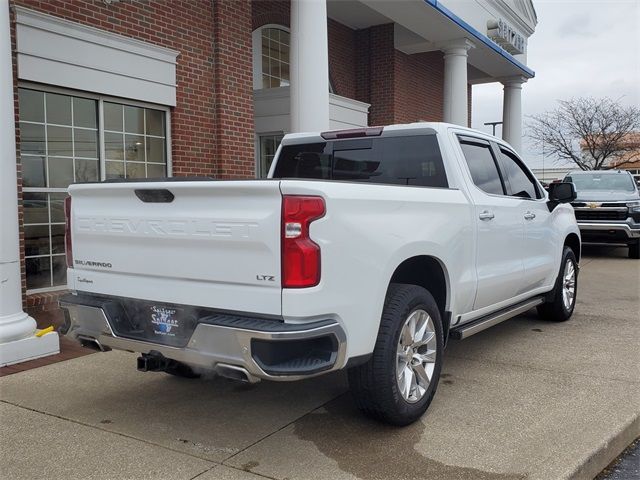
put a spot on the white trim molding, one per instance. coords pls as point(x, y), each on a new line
point(58, 52)
point(272, 108)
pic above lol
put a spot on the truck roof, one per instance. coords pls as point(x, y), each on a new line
point(386, 130)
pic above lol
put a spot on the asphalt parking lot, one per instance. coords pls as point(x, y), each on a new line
point(525, 399)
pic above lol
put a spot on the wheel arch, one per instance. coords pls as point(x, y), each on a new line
point(430, 273)
point(573, 242)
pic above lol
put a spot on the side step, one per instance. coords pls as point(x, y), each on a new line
point(492, 319)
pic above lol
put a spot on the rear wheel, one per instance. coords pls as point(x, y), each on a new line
point(634, 249)
point(399, 381)
point(560, 306)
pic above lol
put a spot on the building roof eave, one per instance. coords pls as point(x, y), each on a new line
point(476, 35)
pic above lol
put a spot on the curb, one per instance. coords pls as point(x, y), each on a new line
point(607, 452)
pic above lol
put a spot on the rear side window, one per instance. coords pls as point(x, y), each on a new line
point(311, 160)
point(519, 183)
point(413, 160)
point(482, 166)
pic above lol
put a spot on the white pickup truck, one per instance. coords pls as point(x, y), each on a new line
point(364, 250)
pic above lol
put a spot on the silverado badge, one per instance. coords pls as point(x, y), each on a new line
point(594, 205)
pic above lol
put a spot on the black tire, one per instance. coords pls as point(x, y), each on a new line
point(374, 385)
point(183, 370)
point(634, 250)
point(554, 309)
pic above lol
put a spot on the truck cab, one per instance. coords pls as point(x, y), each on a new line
point(607, 208)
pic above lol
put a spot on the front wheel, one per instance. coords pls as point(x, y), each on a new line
point(399, 381)
point(634, 250)
point(560, 306)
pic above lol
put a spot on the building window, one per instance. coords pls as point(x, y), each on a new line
point(268, 146)
point(62, 140)
point(271, 57)
point(134, 142)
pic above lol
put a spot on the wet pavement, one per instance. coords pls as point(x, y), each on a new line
point(525, 399)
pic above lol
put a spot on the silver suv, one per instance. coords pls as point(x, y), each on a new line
point(607, 208)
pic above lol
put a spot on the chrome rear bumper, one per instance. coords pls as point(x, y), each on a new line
point(220, 345)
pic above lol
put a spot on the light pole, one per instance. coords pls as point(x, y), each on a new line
point(543, 162)
point(493, 124)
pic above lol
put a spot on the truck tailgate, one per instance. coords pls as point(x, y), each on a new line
point(214, 244)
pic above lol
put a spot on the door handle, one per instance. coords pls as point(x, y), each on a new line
point(529, 216)
point(486, 215)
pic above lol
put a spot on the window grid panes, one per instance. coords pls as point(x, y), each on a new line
point(268, 146)
point(59, 145)
point(275, 58)
point(134, 141)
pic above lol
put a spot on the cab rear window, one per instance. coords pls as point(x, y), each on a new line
point(412, 160)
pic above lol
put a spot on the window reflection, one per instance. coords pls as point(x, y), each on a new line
point(60, 144)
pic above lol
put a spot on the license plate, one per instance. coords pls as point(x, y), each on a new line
point(166, 322)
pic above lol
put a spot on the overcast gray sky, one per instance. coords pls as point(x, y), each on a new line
point(580, 48)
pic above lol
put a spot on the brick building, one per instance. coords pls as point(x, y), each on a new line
point(142, 88)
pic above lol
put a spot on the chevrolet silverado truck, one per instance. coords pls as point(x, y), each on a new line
point(607, 208)
point(365, 250)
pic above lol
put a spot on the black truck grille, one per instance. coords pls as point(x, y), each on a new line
point(596, 214)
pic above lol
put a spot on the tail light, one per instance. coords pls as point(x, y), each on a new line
point(67, 232)
point(300, 254)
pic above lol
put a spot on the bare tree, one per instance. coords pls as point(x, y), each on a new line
point(593, 133)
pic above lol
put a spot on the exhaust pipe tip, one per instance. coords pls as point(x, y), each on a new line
point(92, 343)
point(235, 372)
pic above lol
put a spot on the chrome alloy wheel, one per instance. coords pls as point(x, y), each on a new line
point(416, 355)
point(568, 285)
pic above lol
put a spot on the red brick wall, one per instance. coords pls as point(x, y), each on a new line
point(382, 74)
point(342, 58)
point(401, 88)
point(419, 87)
point(192, 120)
point(14, 64)
point(469, 98)
point(265, 12)
point(233, 74)
point(212, 123)
point(363, 66)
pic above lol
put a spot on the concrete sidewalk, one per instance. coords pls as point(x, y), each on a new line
point(525, 399)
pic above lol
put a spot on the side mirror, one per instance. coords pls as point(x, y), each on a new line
point(564, 192)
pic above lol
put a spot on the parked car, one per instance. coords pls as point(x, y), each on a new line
point(364, 250)
point(607, 208)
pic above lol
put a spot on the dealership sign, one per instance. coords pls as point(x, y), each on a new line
point(506, 36)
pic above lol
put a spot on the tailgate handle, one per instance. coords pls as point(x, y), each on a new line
point(155, 195)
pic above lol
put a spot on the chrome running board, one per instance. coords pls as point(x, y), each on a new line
point(500, 316)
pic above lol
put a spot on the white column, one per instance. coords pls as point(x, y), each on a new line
point(309, 61)
point(455, 81)
point(512, 111)
point(17, 340)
